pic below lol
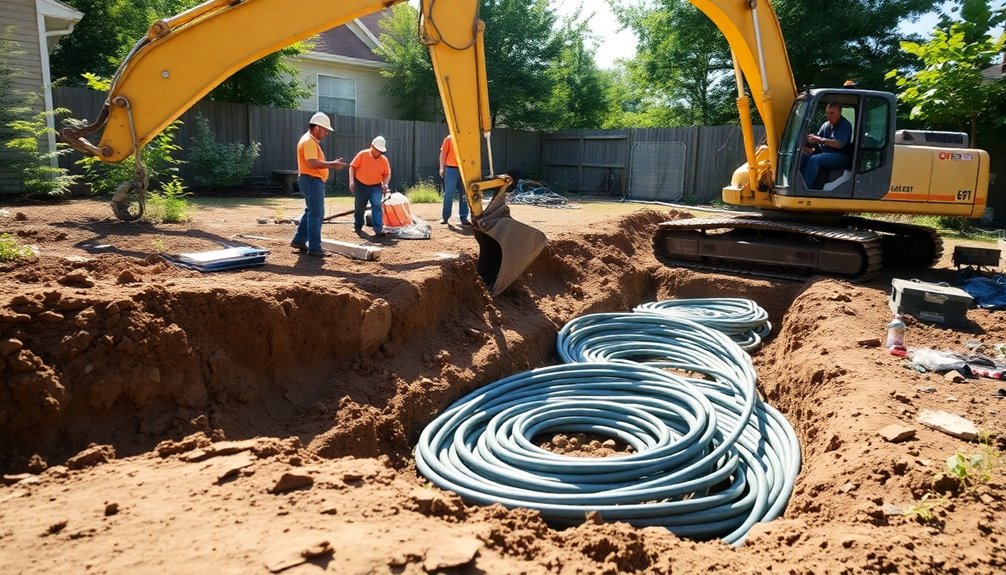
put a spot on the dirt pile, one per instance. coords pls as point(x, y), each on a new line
point(263, 420)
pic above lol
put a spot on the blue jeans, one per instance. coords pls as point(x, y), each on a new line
point(452, 186)
point(364, 194)
point(309, 228)
point(813, 164)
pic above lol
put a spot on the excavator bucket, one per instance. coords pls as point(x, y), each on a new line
point(506, 247)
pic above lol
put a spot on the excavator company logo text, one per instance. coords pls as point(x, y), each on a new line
point(953, 157)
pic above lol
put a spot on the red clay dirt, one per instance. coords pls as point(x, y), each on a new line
point(155, 419)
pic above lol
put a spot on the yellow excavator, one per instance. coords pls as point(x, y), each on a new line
point(802, 226)
point(185, 56)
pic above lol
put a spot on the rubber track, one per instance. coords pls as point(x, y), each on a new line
point(910, 231)
point(869, 244)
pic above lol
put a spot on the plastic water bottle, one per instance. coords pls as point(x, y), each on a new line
point(896, 333)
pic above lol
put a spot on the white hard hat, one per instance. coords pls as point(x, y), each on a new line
point(321, 119)
point(380, 144)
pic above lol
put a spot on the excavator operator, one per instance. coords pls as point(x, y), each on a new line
point(830, 148)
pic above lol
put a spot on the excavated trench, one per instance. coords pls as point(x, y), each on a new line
point(358, 369)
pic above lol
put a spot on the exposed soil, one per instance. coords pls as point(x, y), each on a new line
point(264, 419)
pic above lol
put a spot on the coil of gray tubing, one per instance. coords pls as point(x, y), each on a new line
point(742, 319)
point(710, 458)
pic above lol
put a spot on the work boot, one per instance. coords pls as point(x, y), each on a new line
point(319, 253)
point(300, 247)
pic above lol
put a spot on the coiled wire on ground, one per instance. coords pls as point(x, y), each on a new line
point(742, 319)
point(535, 193)
point(710, 458)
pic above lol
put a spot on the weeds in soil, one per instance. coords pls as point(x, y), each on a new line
point(423, 192)
point(280, 215)
point(10, 250)
point(159, 246)
point(169, 205)
point(925, 509)
point(977, 468)
point(970, 471)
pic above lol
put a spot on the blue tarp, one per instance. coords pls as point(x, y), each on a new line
point(988, 292)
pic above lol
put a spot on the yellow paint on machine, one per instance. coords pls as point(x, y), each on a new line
point(941, 176)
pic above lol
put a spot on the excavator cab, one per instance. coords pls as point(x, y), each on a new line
point(868, 154)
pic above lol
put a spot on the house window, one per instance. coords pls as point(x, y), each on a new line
point(337, 95)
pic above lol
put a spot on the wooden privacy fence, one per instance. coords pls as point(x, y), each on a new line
point(669, 164)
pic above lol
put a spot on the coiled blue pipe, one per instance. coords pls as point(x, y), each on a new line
point(710, 458)
point(742, 319)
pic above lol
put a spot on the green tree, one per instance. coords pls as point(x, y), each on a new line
point(110, 29)
point(410, 71)
point(522, 44)
point(831, 42)
point(684, 62)
point(946, 89)
point(579, 99)
point(22, 128)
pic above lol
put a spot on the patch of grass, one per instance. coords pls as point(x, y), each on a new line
point(169, 205)
point(423, 192)
point(159, 246)
point(925, 509)
point(10, 250)
point(977, 468)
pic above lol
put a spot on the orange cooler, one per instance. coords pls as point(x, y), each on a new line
point(396, 211)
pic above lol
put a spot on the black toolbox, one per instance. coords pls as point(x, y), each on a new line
point(930, 303)
point(978, 257)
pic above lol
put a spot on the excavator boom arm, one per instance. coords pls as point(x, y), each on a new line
point(185, 56)
point(759, 53)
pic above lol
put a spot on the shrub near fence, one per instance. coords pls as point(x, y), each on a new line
point(585, 161)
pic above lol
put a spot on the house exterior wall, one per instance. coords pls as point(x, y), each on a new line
point(21, 14)
point(370, 102)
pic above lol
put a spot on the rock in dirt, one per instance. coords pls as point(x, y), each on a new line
point(290, 481)
point(93, 455)
point(948, 423)
point(218, 449)
point(896, 433)
point(292, 552)
point(451, 553)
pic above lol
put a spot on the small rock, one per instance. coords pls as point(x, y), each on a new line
point(452, 553)
point(869, 342)
point(291, 481)
point(10, 346)
point(896, 433)
point(286, 554)
point(111, 509)
point(93, 455)
point(925, 389)
point(891, 509)
point(954, 377)
point(948, 423)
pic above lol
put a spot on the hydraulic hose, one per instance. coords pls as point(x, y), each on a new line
point(709, 458)
point(740, 318)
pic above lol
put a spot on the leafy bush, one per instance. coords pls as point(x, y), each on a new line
point(33, 166)
point(219, 165)
point(21, 130)
point(169, 204)
point(158, 157)
point(10, 250)
point(423, 192)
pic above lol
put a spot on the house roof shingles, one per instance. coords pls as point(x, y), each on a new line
point(342, 41)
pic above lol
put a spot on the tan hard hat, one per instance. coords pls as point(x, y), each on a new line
point(380, 144)
point(321, 119)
